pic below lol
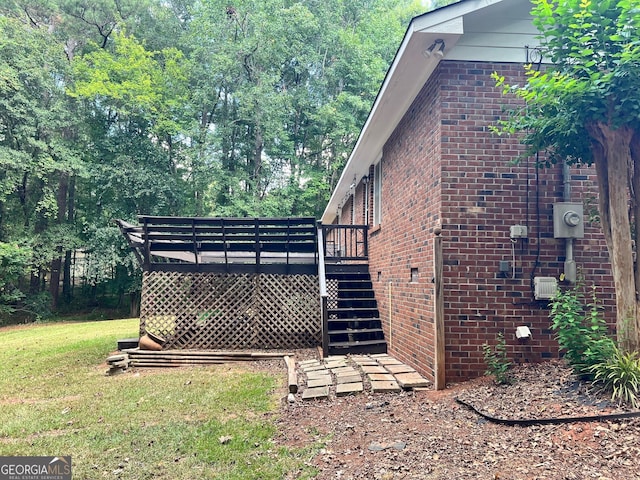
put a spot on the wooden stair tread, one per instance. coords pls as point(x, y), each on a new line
point(357, 342)
point(355, 331)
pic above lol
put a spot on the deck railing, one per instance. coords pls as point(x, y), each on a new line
point(345, 242)
point(232, 245)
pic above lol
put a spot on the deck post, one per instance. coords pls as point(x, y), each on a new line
point(322, 279)
point(147, 246)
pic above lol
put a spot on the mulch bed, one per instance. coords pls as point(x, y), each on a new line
point(428, 435)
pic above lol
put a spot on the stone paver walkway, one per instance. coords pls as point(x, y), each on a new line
point(348, 375)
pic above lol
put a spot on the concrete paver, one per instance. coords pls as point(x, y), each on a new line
point(381, 377)
point(318, 374)
point(344, 375)
point(373, 369)
point(317, 393)
point(349, 370)
point(313, 368)
point(353, 378)
point(304, 363)
point(411, 380)
point(367, 363)
point(395, 369)
point(385, 386)
point(355, 358)
point(320, 382)
point(389, 361)
point(338, 364)
point(343, 389)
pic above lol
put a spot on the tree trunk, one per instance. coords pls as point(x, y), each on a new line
point(134, 304)
point(258, 145)
point(612, 153)
point(67, 293)
point(56, 263)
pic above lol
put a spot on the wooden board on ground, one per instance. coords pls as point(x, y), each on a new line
point(292, 375)
point(208, 353)
point(171, 358)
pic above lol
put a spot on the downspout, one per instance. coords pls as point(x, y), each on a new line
point(390, 316)
point(570, 270)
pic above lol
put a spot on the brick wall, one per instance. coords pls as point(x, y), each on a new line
point(442, 166)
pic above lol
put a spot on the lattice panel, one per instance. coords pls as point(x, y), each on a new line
point(332, 294)
point(231, 311)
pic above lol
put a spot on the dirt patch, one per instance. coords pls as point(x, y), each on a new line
point(428, 435)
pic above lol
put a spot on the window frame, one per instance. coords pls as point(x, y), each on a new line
point(377, 193)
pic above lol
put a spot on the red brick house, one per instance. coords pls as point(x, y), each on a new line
point(426, 162)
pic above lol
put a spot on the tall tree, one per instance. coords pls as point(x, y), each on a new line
point(176, 107)
point(585, 107)
point(37, 145)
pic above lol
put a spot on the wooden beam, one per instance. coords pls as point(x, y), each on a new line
point(292, 375)
point(439, 347)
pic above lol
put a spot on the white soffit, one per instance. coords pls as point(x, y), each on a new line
point(469, 30)
point(504, 41)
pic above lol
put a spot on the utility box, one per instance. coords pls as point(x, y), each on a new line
point(518, 231)
point(545, 288)
point(568, 220)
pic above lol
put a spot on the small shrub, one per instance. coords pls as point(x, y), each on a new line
point(619, 375)
point(582, 336)
point(497, 362)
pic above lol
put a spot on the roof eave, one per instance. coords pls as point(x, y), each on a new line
point(406, 76)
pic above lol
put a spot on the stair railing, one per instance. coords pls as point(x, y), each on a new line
point(345, 242)
point(322, 279)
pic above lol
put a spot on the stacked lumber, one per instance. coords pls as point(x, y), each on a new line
point(178, 358)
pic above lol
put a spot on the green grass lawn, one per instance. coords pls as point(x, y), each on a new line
point(152, 424)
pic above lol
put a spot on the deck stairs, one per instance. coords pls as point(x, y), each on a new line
point(354, 324)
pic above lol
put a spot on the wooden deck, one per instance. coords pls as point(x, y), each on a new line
point(224, 245)
point(242, 283)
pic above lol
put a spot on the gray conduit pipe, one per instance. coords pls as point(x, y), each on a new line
point(570, 270)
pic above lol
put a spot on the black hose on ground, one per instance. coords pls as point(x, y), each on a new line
point(548, 421)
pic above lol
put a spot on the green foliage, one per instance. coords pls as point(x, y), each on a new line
point(620, 375)
point(14, 260)
point(38, 306)
point(593, 78)
point(497, 362)
point(582, 335)
point(115, 109)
